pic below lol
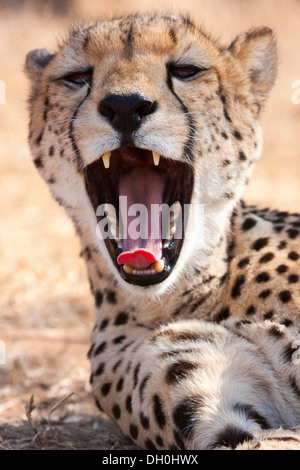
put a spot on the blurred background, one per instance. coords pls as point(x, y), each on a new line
point(45, 304)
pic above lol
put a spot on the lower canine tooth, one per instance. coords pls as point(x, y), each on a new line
point(127, 268)
point(106, 159)
point(159, 266)
point(156, 158)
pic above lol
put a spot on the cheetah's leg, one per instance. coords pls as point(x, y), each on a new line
point(187, 385)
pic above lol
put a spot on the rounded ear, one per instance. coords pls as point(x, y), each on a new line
point(257, 51)
point(36, 61)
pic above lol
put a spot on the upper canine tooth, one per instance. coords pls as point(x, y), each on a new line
point(106, 159)
point(156, 158)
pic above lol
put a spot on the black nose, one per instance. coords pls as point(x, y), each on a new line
point(126, 112)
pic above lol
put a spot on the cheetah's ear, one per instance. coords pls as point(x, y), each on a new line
point(258, 52)
point(36, 61)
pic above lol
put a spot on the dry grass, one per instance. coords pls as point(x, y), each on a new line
point(45, 305)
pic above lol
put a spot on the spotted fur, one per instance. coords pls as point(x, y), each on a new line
point(207, 358)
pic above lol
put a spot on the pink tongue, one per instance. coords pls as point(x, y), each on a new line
point(141, 244)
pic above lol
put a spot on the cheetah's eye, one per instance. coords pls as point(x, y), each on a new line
point(77, 79)
point(186, 72)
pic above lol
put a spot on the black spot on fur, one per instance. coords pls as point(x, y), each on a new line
point(116, 411)
point(184, 415)
point(100, 369)
point(282, 245)
point(121, 319)
point(250, 310)
point(105, 389)
point(222, 315)
point(285, 296)
point(226, 115)
point(149, 444)
point(159, 413)
point(136, 375)
point(293, 278)
point(267, 257)
point(242, 156)
point(98, 298)
point(293, 255)
point(260, 243)
point(144, 421)
point(262, 277)
point(179, 370)
point(117, 365)
point(249, 223)
point(129, 404)
point(269, 315)
point(237, 135)
point(38, 162)
point(282, 268)
point(237, 287)
point(264, 293)
point(159, 441)
point(120, 384)
point(39, 139)
point(119, 339)
point(100, 348)
point(292, 233)
point(133, 431)
point(103, 324)
point(111, 297)
point(243, 262)
point(51, 151)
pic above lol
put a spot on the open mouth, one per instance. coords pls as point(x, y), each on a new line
point(139, 199)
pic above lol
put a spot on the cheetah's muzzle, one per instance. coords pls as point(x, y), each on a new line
point(144, 258)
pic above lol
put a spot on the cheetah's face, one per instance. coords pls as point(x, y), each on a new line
point(149, 111)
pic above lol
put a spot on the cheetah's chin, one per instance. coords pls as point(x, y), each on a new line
point(139, 198)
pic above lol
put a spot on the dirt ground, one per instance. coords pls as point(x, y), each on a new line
point(46, 310)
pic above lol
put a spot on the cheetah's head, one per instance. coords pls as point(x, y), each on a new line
point(149, 111)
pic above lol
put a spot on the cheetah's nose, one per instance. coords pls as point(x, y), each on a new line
point(126, 112)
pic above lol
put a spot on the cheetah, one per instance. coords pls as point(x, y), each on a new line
point(196, 338)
